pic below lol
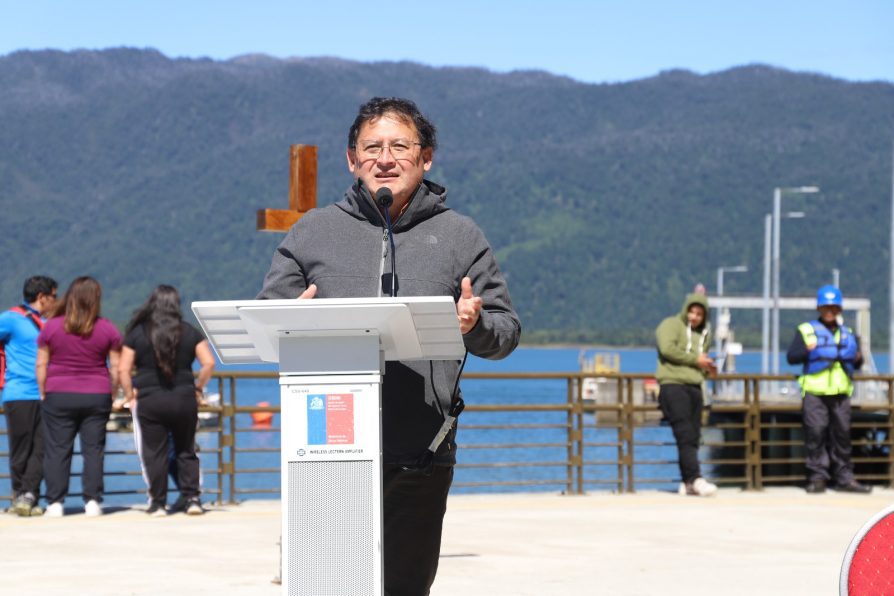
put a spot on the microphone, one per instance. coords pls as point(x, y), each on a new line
point(385, 198)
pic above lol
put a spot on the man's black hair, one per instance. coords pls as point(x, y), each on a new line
point(404, 109)
point(39, 284)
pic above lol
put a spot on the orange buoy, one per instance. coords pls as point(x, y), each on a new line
point(262, 418)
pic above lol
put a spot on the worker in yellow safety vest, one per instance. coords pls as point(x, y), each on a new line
point(830, 354)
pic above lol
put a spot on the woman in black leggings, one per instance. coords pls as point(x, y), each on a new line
point(164, 394)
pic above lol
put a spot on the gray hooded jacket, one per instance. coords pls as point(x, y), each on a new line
point(343, 249)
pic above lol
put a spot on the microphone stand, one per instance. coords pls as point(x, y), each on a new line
point(385, 200)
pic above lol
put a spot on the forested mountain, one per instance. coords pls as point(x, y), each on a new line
point(605, 203)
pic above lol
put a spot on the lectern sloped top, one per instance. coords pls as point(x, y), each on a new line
point(411, 328)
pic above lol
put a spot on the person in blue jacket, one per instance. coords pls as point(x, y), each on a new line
point(19, 327)
point(830, 354)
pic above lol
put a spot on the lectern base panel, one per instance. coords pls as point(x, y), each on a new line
point(331, 485)
point(331, 511)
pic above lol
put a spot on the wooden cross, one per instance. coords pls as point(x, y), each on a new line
point(302, 191)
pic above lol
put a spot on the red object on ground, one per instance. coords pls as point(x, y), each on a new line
point(868, 566)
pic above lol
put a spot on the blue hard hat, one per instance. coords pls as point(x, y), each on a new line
point(828, 296)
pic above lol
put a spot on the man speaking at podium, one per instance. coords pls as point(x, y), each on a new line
point(393, 235)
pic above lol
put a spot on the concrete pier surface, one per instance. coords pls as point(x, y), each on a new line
point(779, 541)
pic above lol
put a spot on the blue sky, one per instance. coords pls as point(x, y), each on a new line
point(589, 41)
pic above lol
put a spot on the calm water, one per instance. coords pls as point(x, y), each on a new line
point(550, 442)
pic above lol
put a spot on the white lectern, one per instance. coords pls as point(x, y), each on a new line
point(331, 355)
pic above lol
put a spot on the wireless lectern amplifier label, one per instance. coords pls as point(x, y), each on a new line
point(330, 422)
point(330, 419)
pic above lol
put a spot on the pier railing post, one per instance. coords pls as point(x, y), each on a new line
point(575, 422)
point(629, 423)
point(891, 432)
point(222, 439)
point(10, 496)
point(621, 437)
point(230, 468)
point(755, 446)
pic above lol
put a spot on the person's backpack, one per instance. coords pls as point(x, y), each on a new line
point(37, 323)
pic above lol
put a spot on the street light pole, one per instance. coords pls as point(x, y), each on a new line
point(765, 321)
point(774, 339)
point(722, 326)
point(777, 205)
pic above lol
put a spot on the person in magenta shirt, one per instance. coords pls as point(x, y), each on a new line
point(77, 374)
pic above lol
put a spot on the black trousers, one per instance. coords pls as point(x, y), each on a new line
point(66, 415)
point(682, 406)
point(827, 437)
point(159, 414)
point(414, 507)
point(25, 436)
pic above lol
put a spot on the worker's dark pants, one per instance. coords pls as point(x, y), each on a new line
point(66, 415)
point(827, 437)
point(414, 507)
point(25, 436)
point(682, 406)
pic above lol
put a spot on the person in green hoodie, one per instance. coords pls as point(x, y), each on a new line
point(683, 364)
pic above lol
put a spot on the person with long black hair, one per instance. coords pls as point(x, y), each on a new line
point(77, 374)
point(164, 394)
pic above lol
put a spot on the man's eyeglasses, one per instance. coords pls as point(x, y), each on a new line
point(400, 148)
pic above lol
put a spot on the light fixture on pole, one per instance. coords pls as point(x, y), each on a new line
point(722, 323)
point(777, 216)
point(722, 270)
point(765, 318)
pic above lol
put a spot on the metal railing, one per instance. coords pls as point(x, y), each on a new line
point(558, 437)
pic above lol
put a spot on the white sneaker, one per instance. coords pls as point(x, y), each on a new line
point(156, 510)
point(55, 510)
point(194, 507)
point(685, 489)
point(92, 509)
point(703, 488)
